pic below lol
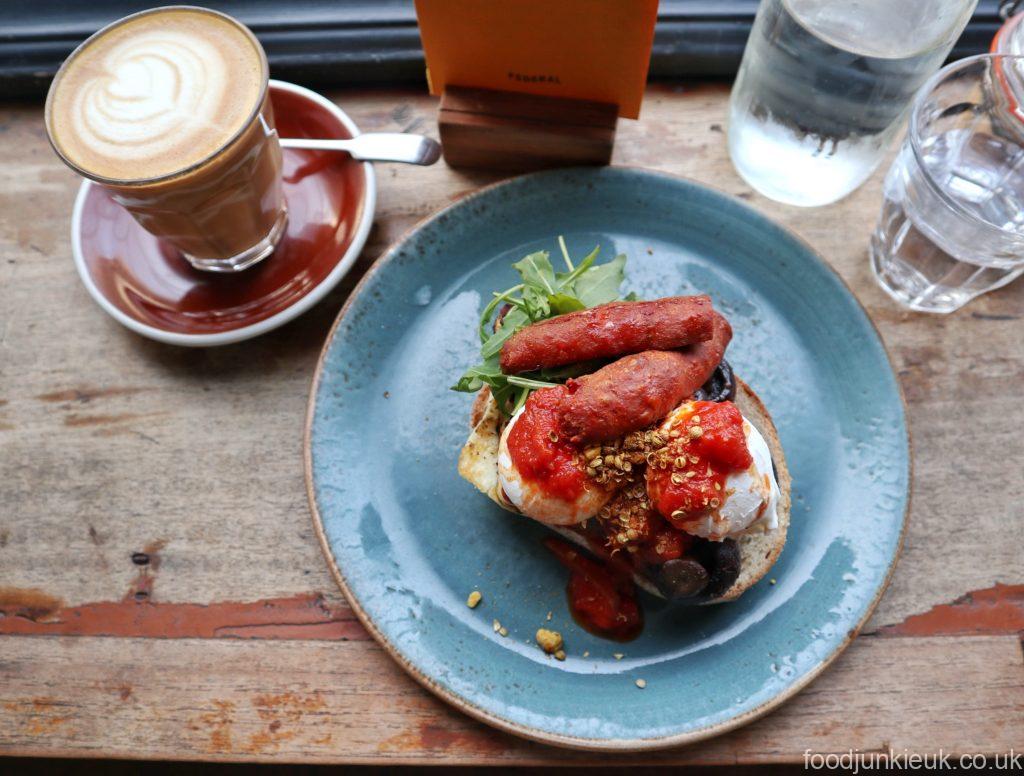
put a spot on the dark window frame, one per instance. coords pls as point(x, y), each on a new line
point(356, 42)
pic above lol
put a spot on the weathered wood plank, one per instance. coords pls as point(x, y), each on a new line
point(998, 610)
point(315, 701)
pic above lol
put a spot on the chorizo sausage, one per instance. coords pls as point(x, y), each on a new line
point(607, 331)
point(640, 389)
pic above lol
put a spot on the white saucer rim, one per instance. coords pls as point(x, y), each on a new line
point(276, 320)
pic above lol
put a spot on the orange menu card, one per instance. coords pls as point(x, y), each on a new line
point(582, 49)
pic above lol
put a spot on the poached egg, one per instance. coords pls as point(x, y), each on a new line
point(533, 500)
point(750, 496)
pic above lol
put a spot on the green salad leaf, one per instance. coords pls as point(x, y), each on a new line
point(565, 303)
point(543, 293)
point(601, 283)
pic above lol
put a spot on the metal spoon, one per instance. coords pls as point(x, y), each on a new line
point(376, 147)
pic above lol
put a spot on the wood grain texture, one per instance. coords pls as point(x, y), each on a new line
point(111, 446)
point(516, 132)
point(315, 701)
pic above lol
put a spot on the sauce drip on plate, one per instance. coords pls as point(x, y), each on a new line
point(601, 599)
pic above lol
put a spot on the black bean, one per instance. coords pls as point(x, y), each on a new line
point(682, 578)
point(721, 386)
point(722, 560)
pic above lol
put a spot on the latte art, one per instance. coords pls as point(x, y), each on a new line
point(170, 112)
point(156, 91)
point(150, 99)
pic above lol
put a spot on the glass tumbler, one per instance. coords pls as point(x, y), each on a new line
point(952, 220)
point(824, 86)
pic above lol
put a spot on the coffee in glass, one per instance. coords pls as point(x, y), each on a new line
point(169, 110)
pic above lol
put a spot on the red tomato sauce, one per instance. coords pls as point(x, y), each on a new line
point(656, 540)
point(667, 544)
point(602, 600)
point(710, 445)
point(540, 454)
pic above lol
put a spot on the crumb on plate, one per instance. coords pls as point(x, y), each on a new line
point(548, 640)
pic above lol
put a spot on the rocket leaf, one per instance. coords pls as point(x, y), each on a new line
point(544, 293)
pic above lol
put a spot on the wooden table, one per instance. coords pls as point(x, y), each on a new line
point(162, 594)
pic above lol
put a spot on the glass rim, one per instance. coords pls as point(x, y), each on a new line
point(913, 130)
point(132, 182)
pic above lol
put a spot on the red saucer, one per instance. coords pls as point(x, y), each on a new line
point(146, 285)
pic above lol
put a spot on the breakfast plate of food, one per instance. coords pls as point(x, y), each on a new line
point(641, 456)
point(607, 459)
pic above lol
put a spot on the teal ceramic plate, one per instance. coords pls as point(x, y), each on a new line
point(408, 539)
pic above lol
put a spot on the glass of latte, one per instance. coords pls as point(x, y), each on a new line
point(169, 111)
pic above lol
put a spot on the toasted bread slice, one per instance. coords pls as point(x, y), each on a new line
point(759, 549)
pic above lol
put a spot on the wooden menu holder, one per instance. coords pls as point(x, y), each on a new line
point(517, 132)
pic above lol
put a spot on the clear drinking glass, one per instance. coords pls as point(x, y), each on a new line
point(952, 221)
point(824, 86)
